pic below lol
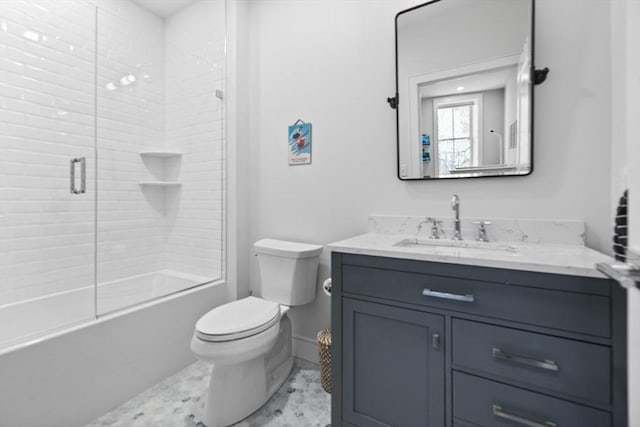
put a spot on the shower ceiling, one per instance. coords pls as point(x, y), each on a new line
point(163, 8)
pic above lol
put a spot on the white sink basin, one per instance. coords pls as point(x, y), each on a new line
point(456, 244)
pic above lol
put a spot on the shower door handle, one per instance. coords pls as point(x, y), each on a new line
point(81, 161)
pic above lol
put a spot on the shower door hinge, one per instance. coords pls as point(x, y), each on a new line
point(219, 94)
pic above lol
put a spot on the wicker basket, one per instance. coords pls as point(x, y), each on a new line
point(324, 349)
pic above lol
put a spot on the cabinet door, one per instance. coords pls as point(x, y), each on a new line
point(393, 361)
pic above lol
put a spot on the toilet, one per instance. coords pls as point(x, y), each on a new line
point(249, 341)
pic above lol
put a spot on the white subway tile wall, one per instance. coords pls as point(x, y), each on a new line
point(47, 111)
point(153, 81)
point(194, 61)
point(131, 116)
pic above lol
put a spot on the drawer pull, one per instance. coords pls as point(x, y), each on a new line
point(549, 365)
point(445, 295)
point(498, 412)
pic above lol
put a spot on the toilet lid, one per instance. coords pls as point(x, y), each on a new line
point(238, 319)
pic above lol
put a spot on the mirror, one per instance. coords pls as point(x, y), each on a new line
point(464, 89)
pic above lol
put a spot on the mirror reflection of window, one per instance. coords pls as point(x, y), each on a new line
point(455, 136)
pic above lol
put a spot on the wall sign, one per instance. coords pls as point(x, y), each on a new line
point(300, 143)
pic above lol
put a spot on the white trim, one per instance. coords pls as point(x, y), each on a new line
point(476, 67)
point(625, 128)
point(306, 348)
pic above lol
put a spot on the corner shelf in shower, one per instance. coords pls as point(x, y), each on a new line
point(157, 162)
point(162, 154)
point(159, 184)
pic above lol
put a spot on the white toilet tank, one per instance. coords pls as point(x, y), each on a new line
point(288, 271)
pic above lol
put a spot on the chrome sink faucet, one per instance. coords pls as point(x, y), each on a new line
point(482, 230)
point(434, 229)
point(455, 205)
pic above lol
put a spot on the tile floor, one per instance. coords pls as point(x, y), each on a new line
point(178, 401)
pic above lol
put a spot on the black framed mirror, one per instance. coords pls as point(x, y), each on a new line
point(464, 89)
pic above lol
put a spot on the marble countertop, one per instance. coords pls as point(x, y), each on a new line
point(568, 259)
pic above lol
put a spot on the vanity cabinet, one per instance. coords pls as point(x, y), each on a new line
point(396, 365)
point(420, 343)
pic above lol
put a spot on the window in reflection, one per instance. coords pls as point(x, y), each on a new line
point(456, 135)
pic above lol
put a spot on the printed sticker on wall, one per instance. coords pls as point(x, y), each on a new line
point(300, 143)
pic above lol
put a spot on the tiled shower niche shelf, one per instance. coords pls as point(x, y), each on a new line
point(159, 184)
point(157, 162)
point(161, 154)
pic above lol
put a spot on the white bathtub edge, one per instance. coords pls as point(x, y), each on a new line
point(72, 378)
point(105, 317)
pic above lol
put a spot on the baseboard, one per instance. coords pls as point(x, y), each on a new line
point(306, 348)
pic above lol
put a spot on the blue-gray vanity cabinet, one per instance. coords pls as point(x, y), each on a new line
point(482, 402)
point(526, 303)
point(398, 380)
point(536, 361)
point(514, 348)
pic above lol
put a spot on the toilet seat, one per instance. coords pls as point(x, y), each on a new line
point(238, 319)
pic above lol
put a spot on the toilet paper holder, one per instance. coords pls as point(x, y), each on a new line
point(326, 286)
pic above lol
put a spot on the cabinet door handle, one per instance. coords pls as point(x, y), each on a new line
point(435, 341)
point(446, 295)
point(83, 175)
point(548, 365)
point(498, 412)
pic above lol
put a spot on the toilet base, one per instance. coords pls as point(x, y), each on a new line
point(238, 390)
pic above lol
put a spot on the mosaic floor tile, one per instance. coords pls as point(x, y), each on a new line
point(178, 401)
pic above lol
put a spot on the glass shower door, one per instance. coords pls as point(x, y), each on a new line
point(47, 167)
point(160, 148)
point(130, 135)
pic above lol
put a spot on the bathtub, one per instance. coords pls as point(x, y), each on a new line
point(79, 371)
point(27, 319)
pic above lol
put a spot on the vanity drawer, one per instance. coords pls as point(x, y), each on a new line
point(556, 365)
point(570, 311)
point(491, 404)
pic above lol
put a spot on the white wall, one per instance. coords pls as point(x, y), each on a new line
point(493, 116)
point(336, 73)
